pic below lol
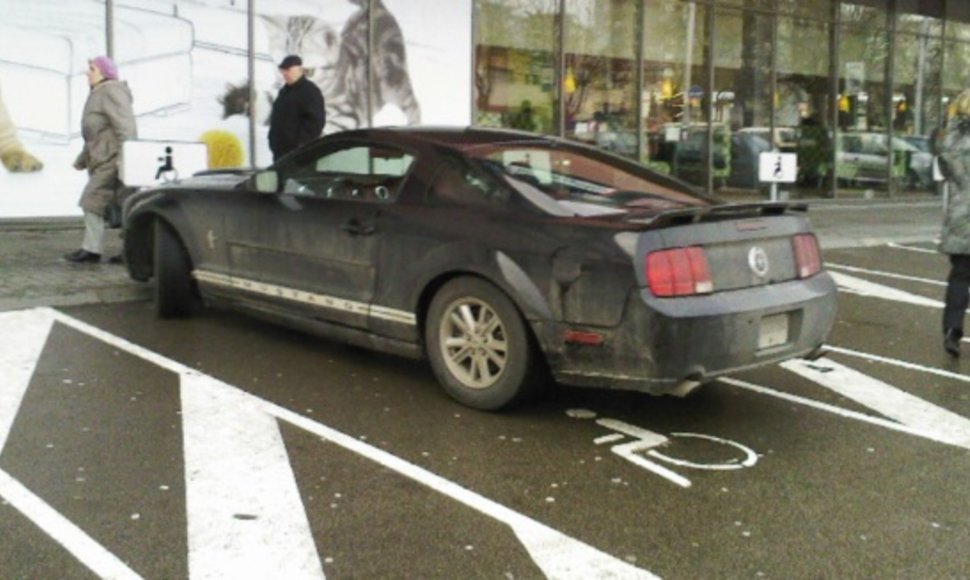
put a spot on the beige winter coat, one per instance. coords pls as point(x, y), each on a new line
point(107, 122)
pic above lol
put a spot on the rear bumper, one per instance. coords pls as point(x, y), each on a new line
point(663, 343)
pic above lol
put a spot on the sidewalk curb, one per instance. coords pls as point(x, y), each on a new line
point(41, 224)
point(108, 295)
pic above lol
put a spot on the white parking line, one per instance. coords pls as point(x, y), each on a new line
point(829, 408)
point(914, 415)
point(912, 248)
point(892, 275)
point(934, 422)
point(246, 518)
point(22, 340)
point(21, 343)
point(556, 554)
point(854, 285)
point(899, 363)
point(63, 531)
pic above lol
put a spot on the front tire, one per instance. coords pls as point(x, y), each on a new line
point(174, 288)
point(480, 348)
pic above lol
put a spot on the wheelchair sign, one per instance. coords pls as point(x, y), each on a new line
point(639, 444)
point(148, 163)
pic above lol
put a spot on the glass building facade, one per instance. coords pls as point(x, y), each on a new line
point(699, 89)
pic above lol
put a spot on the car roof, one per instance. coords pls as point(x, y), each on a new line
point(465, 138)
point(449, 136)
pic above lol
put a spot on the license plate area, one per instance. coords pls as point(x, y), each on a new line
point(773, 330)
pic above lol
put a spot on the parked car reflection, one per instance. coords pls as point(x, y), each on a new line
point(786, 138)
point(735, 156)
point(863, 158)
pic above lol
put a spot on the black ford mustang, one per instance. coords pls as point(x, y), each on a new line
point(502, 257)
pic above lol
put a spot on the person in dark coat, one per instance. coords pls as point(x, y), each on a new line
point(955, 239)
point(298, 113)
point(107, 122)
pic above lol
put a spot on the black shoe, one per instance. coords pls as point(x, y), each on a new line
point(119, 259)
point(951, 342)
point(83, 257)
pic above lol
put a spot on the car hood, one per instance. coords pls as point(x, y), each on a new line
point(222, 180)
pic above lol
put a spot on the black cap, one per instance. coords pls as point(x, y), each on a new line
point(291, 60)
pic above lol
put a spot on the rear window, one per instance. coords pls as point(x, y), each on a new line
point(566, 181)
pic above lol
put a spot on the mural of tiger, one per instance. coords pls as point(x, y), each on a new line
point(338, 64)
point(12, 153)
point(236, 102)
point(392, 84)
point(314, 40)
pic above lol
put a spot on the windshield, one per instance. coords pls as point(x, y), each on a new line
point(568, 181)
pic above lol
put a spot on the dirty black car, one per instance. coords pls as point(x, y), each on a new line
point(503, 258)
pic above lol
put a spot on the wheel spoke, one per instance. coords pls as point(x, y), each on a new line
point(497, 357)
point(460, 355)
point(458, 322)
point(453, 342)
point(494, 323)
point(498, 345)
point(470, 324)
point(484, 374)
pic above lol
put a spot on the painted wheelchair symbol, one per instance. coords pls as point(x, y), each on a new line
point(166, 172)
point(646, 442)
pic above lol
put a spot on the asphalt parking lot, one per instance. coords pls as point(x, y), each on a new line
point(133, 447)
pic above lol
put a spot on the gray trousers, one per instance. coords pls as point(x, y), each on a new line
point(93, 233)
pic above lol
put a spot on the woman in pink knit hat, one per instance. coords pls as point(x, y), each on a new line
point(107, 122)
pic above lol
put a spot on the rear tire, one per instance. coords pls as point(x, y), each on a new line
point(481, 350)
point(175, 293)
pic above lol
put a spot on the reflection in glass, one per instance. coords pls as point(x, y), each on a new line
point(569, 181)
point(863, 105)
point(917, 96)
point(515, 64)
point(741, 127)
point(802, 102)
point(675, 83)
point(600, 83)
point(819, 9)
point(956, 70)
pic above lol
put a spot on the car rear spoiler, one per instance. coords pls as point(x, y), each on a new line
point(682, 216)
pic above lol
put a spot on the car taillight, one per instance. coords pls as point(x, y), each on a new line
point(679, 272)
point(808, 262)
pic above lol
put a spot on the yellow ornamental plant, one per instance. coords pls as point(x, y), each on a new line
point(225, 149)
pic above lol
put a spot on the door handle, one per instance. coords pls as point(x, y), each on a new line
point(356, 228)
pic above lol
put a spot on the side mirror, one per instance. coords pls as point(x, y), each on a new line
point(267, 181)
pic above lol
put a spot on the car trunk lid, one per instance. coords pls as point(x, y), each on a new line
point(709, 251)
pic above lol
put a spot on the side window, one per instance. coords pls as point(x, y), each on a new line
point(532, 166)
point(851, 144)
point(459, 184)
point(367, 173)
point(877, 146)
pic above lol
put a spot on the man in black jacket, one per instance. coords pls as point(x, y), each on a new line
point(298, 112)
